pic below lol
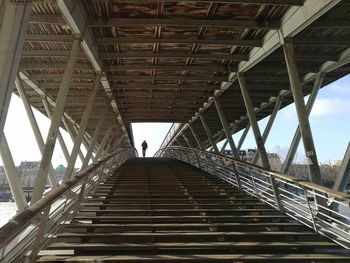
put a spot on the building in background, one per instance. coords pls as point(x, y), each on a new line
point(27, 172)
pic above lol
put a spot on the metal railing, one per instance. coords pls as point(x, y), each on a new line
point(318, 207)
point(174, 128)
point(25, 234)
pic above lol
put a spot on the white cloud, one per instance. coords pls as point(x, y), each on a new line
point(339, 88)
point(326, 107)
point(289, 112)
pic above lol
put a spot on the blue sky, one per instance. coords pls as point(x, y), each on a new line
point(330, 123)
point(329, 120)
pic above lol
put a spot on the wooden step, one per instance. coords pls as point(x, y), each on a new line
point(185, 226)
point(242, 246)
point(173, 213)
point(215, 258)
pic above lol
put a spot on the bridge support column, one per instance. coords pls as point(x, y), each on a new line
point(224, 124)
point(59, 135)
point(12, 176)
point(269, 124)
point(297, 135)
point(304, 124)
point(37, 134)
point(208, 132)
point(253, 122)
point(243, 136)
point(71, 135)
point(103, 144)
point(96, 135)
point(13, 27)
point(196, 137)
point(55, 122)
point(82, 128)
point(343, 174)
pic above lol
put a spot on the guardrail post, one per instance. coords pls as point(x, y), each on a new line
point(39, 234)
point(275, 193)
point(310, 210)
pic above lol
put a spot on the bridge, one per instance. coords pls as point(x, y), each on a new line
point(213, 68)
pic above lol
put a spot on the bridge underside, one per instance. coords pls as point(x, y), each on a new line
point(165, 60)
point(163, 210)
point(213, 68)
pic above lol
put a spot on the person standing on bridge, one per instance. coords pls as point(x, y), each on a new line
point(144, 148)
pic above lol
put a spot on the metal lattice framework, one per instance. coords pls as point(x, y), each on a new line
point(214, 67)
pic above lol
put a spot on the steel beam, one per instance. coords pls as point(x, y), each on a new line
point(12, 175)
point(164, 87)
point(149, 67)
point(231, 23)
point(167, 77)
point(82, 129)
point(243, 136)
point(55, 123)
point(187, 141)
point(304, 124)
point(35, 127)
point(84, 141)
point(59, 135)
point(344, 172)
point(74, 13)
point(297, 135)
point(269, 125)
point(224, 42)
point(196, 137)
point(95, 136)
point(209, 134)
point(136, 55)
point(70, 132)
point(224, 124)
point(103, 144)
point(253, 121)
point(226, 141)
point(245, 2)
point(13, 28)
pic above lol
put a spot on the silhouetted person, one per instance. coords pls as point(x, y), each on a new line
point(144, 148)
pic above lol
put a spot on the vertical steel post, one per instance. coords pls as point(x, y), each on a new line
point(82, 129)
point(70, 132)
point(208, 132)
point(297, 135)
point(103, 144)
point(13, 27)
point(224, 124)
point(304, 124)
point(344, 172)
point(196, 137)
point(55, 122)
point(35, 127)
point(243, 136)
point(12, 175)
point(269, 124)
point(95, 136)
point(253, 122)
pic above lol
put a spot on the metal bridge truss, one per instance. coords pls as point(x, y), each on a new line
point(63, 62)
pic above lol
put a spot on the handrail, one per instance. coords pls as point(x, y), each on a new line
point(59, 203)
point(323, 209)
point(170, 134)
